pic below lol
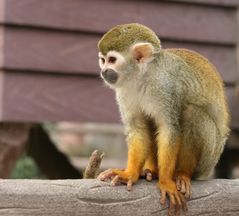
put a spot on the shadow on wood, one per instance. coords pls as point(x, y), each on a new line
point(92, 197)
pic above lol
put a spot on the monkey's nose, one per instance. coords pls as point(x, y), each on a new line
point(110, 75)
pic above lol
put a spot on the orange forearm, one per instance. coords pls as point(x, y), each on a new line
point(137, 151)
point(167, 156)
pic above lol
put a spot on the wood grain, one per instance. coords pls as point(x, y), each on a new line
point(193, 22)
point(71, 52)
point(92, 197)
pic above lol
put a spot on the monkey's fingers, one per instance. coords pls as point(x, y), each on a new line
point(106, 175)
point(174, 207)
point(148, 174)
point(188, 192)
point(163, 198)
point(184, 186)
point(129, 185)
point(115, 181)
point(172, 210)
point(182, 203)
point(178, 184)
point(176, 203)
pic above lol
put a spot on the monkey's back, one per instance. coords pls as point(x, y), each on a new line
point(199, 63)
point(212, 90)
point(208, 72)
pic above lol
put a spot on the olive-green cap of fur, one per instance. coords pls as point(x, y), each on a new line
point(121, 37)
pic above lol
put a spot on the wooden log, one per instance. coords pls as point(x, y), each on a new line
point(92, 197)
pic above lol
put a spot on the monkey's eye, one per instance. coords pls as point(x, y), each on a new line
point(102, 60)
point(112, 60)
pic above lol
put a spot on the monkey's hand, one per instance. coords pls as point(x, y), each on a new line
point(183, 183)
point(150, 168)
point(118, 176)
point(176, 199)
point(149, 174)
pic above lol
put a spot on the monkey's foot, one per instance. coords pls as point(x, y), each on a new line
point(183, 183)
point(176, 199)
point(117, 176)
point(148, 174)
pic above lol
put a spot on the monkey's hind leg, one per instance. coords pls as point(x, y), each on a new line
point(198, 143)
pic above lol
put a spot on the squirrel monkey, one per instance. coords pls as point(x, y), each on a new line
point(173, 107)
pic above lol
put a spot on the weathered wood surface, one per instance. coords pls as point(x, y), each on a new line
point(92, 197)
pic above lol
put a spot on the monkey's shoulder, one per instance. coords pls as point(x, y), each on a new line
point(198, 63)
point(190, 56)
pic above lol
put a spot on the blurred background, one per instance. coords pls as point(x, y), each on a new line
point(55, 110)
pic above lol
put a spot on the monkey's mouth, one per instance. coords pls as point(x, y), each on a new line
point(109, 76)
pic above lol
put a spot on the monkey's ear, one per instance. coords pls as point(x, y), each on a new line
point(142, 52)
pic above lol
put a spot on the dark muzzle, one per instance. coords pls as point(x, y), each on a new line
point(110, 76)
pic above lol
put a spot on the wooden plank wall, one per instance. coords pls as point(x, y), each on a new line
point(48, 54)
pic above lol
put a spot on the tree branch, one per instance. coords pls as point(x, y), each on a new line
point(92, 197)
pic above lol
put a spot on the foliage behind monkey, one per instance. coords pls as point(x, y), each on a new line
point(173, 107)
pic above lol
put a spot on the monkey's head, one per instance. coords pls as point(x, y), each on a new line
point(123, 50)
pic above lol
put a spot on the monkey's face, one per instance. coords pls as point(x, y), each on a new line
point(111, 64)
point(119, 68)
